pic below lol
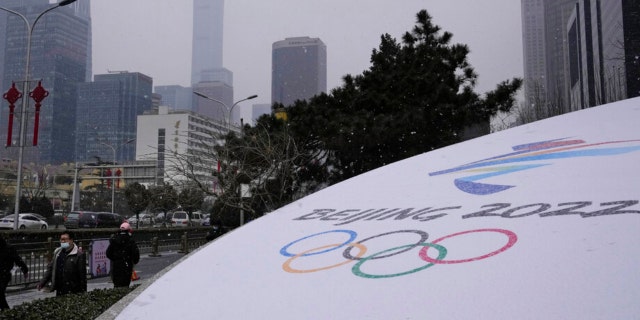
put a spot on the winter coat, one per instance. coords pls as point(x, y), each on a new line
point(124, 254)
point(8, 258)
point(73, 276)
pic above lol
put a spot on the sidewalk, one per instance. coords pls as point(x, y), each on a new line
point(146, 269)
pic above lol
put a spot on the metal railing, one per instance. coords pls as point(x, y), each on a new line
point(37, 255)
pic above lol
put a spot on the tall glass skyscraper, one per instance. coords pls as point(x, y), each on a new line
point(298, 69)
point(208, 28)
point(107, 112)
point(580, 53)
point(60, 59)
point(208, 76)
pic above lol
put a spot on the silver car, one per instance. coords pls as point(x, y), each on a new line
point(26, 221)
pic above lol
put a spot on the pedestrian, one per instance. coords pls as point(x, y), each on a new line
point(67, 270)
point(124, 254)
point(8, 258)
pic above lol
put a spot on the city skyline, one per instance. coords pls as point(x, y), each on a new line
point(351, 30)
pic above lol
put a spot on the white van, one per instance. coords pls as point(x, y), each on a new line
point(181, 219)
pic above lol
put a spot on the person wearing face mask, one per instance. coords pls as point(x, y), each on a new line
point(124, 254)
point(67, 269)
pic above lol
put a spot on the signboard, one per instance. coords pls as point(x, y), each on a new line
point(536, 222)
point(98, 261)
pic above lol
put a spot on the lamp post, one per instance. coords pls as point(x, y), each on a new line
point(202, 95)
point(113, 187)
point(25, 99)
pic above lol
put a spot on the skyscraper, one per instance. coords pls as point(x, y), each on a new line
point(60, 59)
point(208, 76)
point(298, 69)
point(176, 97)
point(107, 111)
point(580, 53)
point(206, 56)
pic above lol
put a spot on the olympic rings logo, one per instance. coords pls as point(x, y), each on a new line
point(360, 257)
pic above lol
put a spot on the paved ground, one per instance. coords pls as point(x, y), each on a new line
point(147, 267)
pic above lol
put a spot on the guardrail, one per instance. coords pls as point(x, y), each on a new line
point(37, 255)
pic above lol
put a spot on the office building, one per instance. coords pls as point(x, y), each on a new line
point(218, 110)
point(172, 138)
point(298, 69)
point(257, 110)
point(107, 112)
point(175, 97)
point(60, 59)
point(579, 53)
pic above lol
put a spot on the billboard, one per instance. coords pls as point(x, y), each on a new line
point(536, 222)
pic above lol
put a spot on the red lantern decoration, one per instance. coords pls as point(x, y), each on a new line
point(118, 173)
point(11, 96)
point(38, 94)
point(108, 174)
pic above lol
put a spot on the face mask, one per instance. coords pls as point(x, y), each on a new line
point(64, 245)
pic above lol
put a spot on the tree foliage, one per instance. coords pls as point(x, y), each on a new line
point(138, 198)
point(163, 198)
point(190, 199)
point(42, 206)
point(417, 96)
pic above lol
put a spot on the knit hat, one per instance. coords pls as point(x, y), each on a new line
point(125, 226)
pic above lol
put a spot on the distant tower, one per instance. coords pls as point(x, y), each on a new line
point(208, 76)
point(208, 27)
point(60, 58)
point(298, 69)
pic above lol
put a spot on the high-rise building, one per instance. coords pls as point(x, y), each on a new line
point(172, 138)
point(258, 110)
point(219, 109)
point(60, 59)
point(107, 112)
point(580, 53)
point(176, 97)
point(533, 43)
point(298, 69)
point(206, 54)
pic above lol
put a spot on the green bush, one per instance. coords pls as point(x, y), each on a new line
point(82, 306)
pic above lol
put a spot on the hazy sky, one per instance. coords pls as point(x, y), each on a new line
point(154, 36)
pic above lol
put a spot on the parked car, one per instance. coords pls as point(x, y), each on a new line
point(101, 220)
point(181, 219)
point(162, 221)
point(89, 219)
point(146, 220)
point(196, 218)
point(25, 221)
point(73, 219)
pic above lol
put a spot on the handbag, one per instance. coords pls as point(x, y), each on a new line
point(134, 275)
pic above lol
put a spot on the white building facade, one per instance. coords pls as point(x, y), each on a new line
point(181, 143)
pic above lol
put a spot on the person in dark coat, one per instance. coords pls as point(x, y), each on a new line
point(8, 258)
point(67, 270)
point(124, 254)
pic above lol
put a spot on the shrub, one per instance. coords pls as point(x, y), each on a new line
point(81, 306)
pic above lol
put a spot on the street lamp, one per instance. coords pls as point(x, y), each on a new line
point(202, 95)
point(113, 187)
point(25, 100)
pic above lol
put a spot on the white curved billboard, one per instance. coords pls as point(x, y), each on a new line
point(541, 221)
